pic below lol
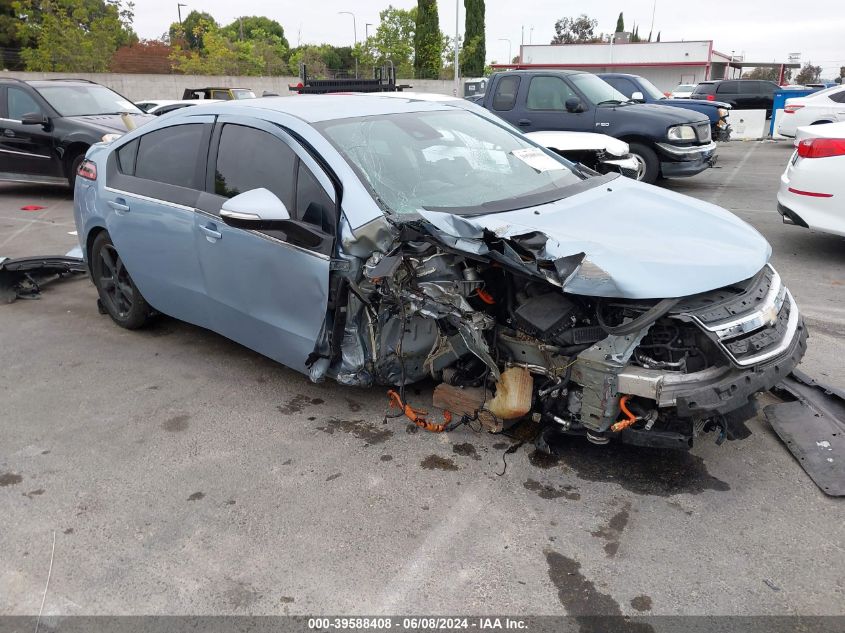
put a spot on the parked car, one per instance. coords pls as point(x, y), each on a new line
point(384, 241)
point(46, 126)
point(741, 94)
point(824, 106)
point(163, 106)
point(682, 91)
point(599, 152)
point(219, 94)
point(667, 141)
point(641, 90)
point(812, 189)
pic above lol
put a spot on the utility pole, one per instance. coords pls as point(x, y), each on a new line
point(179, 6)
point(457, 35)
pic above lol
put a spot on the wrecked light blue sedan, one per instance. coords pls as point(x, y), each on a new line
point(384, 240)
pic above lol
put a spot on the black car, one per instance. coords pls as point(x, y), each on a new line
point(46, 126)
point(741, 94)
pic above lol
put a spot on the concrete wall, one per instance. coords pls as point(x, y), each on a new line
point(140, 87)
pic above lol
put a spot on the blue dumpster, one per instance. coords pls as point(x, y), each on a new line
point(780, 100)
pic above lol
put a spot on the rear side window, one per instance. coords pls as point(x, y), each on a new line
point(506, 90)
point(838, 97)
point(169, 155)
point(704, 89)
point(248, 159)
point(548, 93)
point(728, 88)
point(764, 88)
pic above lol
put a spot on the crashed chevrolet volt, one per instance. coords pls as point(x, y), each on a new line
point(377, 240)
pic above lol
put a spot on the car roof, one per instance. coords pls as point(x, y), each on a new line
point(534, 71)
point(317, 108)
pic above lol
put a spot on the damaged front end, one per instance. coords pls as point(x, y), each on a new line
point(489, 315)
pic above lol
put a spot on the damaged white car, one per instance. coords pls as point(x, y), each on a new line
point(386, 241)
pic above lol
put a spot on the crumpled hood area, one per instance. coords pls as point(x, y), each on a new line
point(620, 239)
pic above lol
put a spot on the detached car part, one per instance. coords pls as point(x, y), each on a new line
point(23, 278)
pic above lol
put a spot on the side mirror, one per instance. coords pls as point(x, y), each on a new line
point(35, 118)
point(573, 104)
point(256, 206)
point(638, 96)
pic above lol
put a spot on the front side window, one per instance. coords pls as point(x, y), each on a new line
point(549, 93)
point(506, 91)
point(84, 99)
point(453, 161)
point(248, 158)
point(169, 155)
point(21, 103)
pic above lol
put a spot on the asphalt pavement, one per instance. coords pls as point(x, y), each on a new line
point(183, 474)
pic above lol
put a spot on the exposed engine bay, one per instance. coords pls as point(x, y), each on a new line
point(504, 341)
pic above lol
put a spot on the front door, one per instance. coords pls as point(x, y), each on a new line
point(268, 289)
point(25, 150)
point(545, 107)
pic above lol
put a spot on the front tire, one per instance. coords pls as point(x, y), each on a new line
point(649, 169)
point(118, 295)
point(73, 168)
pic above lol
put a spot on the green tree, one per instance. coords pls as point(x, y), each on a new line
point(393, 41)
point(10, 41)
point(575, 30)
point(766, 74)
point(73, 35)
point(190, 32)
point(808, 74)
point(620, 24)
point(255, 27)
point(474, 51)
point(428, 43)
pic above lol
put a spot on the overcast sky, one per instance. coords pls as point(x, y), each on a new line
point(763, 31)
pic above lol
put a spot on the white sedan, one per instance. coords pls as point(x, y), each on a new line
point(812, 190)
point(682, 91)
point(824, 106)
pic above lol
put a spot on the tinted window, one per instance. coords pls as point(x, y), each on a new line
point(250, 159)
point(764, 88)
point(728, 87)
point(549, 93)
point(313, 204)
point(704, 89)
point(126, 156)
point(79, 100)
point(169, 155)
point(21, 103)
point(839, 97)
point(506, 90)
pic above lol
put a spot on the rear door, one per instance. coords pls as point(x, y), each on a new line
point(152, 188)
point(544, 106)
point(268, 288)
point(26, 150)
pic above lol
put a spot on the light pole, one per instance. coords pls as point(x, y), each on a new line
point(367, 31)
point(457, 35)
point(510, 50)
point(179, 6)
point(354, 35)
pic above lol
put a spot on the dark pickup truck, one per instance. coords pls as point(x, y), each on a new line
point(668, 142)
point(641, 90)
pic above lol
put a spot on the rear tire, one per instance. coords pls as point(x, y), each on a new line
point(118, 295)
point(649, 163)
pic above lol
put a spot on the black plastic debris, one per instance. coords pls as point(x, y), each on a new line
point(811, 422)
point(23, 278)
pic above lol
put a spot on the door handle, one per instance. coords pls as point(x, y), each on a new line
point(211, 231)
point(9, 133)
point(524, 122)
point(119, 204)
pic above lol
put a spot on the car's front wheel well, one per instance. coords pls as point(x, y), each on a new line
point(73, 151)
